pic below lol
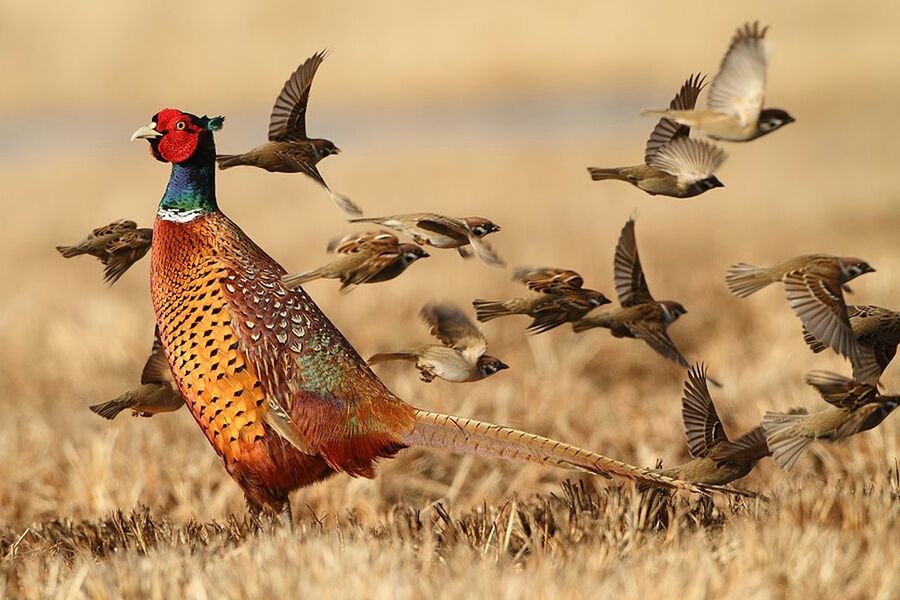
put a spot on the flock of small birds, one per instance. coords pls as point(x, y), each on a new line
point(675, 165)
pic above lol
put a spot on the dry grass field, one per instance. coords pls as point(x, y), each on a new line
point(465, 108)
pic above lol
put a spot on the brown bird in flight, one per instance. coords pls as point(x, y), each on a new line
point(118, 246)
point(735, 104)
point(717, 460)
point(362, 258)
point(556, 297)
point(432, 229)
point(813, 285)
point(638, 314)
point(289, 150)
point(459, 358)
point(674, 164)
point(855, 407)
point(156, 393)
point(877, 332)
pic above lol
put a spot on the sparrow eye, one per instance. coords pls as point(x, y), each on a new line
point(180, 125)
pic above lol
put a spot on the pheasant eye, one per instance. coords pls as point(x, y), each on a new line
point(180, 125)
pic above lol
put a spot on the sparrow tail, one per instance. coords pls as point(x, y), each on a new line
point(487, 310)
point(602, 174)
point(743, 279)
point(226, 161)
point(783, 439)
point(388, 356)
point(467, 436)
point(69, 251)
point(293, 280)
point(110, 410)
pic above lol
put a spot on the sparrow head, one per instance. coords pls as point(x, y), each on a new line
point(325, 148)
point(771, 119)
point(709, 183)
point(488, 365)
point(410, 253)
point(595, 298)
point(480, 226)
point(177, 136)
point(852, 268)
point(671, 311)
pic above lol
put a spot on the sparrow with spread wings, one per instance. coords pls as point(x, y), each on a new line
point(674, 164)
point(440, 231)
point(289, 150)
point(638, 314)
point(459, 358)
point(367, 257)
point(734, 109)
point(855, 407)
point(814, 286)
point(556, 297)
point(877, 332)
point(118, 246)
point(156, 393)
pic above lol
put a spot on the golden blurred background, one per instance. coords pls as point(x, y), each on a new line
point(466, 108)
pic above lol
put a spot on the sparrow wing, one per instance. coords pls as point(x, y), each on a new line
point(749, 447)
point(739, 87)
point(486, 252)
point(124, 251)
point(549, 280)
point(688, 160)
point(374, 242)
point(288, 120)
point(841, 391)
point(156, 369)
point(874, 358)
point(655, 336)
point(113, 229)
point(371, 266)
point(702, 426)
point(631, 286)
point(344, 203)
point(667, 130)
point(454, 329)
point(814, 344)
point(856, 420)
point(443, 226)
point(820, 305)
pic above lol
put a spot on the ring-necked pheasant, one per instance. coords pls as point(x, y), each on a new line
point(280, 394)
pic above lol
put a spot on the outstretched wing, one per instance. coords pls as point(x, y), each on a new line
point(819, 304)
point(667, 130)
point(655, 336)
point(549, 280)
point(739, 88)
point(454, 329)
point(702, 426)
point(688, 159)
point(124, 251)
point(631, 286)
point(841, 391)
point(288, 120)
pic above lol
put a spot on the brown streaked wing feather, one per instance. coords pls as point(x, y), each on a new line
point(841, 391)
point(442, 226)
point(549, 280)
point(305, 167)
point(688, 160)
point(667, 130)
point(815, 345)
point(657, 338)
point(702, 426)
point(115, 228)
point(156, 369)
point(124, 251)
point(874, 358)
point(372, 266)
point(631, 286)
point(819, 304)
point(739, 88)
point(288, 118)
point(749, 447)
point(368, 241)
point(855, 421)
point(454, 329)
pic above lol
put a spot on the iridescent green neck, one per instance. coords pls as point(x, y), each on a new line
point(191, 191)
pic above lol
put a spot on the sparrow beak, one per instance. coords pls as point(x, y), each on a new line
point(146, 132)
point(501, 366)
point(337, 150)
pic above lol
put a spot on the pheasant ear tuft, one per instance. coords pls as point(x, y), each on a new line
point(214, 123)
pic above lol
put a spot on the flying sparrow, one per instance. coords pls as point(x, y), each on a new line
point(431, 229)
point(289, 150)
point(855, 407)
point(674, 164)
point(459, 358)
point(556, 297)
point(118, 246)
point(735, 105)
point(362, 258)
point(717, 460)
point(813, 285)
point(877, 332)
point(155, 394)
point(638, 314)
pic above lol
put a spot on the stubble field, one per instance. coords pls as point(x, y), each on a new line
point(433, 114)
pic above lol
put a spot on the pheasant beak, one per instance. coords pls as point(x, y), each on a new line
point(146, 132)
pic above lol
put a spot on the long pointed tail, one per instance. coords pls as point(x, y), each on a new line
point(69, 251)
point(226, 161)
point(598, 174)
point(467, 436)
point(487, 310)
point(295, 279)
point(387, 356)
point(784, 439)
point(743, 279)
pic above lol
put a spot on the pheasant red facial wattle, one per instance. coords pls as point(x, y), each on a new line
point(174, 135)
